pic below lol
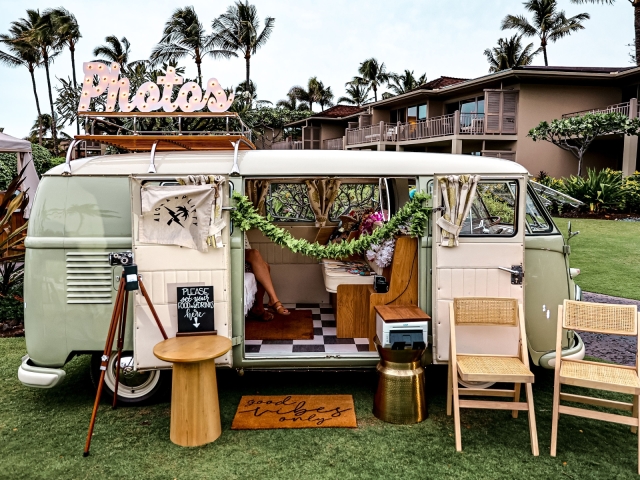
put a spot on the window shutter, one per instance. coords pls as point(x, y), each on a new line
point(311, 138)
point(492, 111)
point(509, 111)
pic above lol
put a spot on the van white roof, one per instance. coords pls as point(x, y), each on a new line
point(282, 163)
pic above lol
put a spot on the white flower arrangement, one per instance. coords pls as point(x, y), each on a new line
point(382, 254)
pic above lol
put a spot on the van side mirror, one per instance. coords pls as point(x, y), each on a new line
point(571, 234)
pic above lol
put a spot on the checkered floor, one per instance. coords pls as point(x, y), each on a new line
point(324, 337)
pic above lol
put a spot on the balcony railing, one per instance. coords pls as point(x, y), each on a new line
point(623, 108)
point(332, 144)
point(453, 124)
point(287, 145)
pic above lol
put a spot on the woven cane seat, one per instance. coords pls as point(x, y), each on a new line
point(490, 368)
point(606, 374)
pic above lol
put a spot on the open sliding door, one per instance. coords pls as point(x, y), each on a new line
point(164, 268)
point(491, 244)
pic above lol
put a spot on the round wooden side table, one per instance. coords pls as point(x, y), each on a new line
point(195, 411)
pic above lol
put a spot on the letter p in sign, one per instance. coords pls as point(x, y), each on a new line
point(195, 311)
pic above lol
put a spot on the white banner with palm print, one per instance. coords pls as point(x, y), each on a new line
point(177, 215)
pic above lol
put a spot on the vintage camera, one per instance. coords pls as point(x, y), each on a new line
point(120, 258)
point(380, 284)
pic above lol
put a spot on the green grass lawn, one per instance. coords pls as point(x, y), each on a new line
point(42, 434)
point(607, 254)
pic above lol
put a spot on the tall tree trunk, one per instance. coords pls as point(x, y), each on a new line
point(35, 94)
point(544, 53)
point(247, 85)
point(580, 163)
point(375, 93)
point(72, 49)
point(198, 62)
point(53, 115)
point(636, 27)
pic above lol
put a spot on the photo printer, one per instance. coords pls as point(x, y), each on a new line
point(402, 326)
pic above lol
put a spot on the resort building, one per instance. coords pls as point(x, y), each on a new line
point(488, 116)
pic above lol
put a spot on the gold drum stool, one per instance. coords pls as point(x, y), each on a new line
point(400, 394)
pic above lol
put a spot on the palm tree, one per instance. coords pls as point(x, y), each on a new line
point(315, 92)
point(68, 32)
point(184, 36)
point(509, 53)
point(636, 16)
point(405, 82)
point(43, 124)
point(291, 103)
point(40, 32)
point(373, 74)
point(325, 97)
point(549, 24)
point(22, 53)
point(357, 93)
point(114, 50)
point(237, 31)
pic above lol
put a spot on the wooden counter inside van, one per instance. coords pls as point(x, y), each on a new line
point(355, 304)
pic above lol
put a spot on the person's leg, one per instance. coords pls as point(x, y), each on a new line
point(261, 269)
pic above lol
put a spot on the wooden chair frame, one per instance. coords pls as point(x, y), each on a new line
point(454, 391)
point(559, 380)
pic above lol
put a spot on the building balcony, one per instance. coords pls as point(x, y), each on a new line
point(628, 109)
point(333, 144)
point(287, 145)
point(456, 124)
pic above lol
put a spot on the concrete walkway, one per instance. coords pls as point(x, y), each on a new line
point(614, 348)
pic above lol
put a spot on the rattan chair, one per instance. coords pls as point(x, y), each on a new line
point(488, 344)
point(599, 318)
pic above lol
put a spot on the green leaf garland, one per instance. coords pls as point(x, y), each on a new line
point(245, 217)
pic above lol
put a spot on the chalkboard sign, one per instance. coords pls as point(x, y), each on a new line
point(195, 311)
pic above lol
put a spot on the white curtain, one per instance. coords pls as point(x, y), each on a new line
point(214, 237)
point(458, 192)
point(30, 184)
point(176, 215)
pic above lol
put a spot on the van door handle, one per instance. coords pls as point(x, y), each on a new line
point(517, 273)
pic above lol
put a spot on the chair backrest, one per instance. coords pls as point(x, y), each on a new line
point(486, 311)
point(600, 318)
point(486, 325)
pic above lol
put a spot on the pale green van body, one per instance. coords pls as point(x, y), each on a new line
point(91, 213)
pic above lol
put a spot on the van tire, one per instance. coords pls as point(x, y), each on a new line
point(141, 387)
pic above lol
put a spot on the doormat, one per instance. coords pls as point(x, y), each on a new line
point(259, 412)
point(298, 325)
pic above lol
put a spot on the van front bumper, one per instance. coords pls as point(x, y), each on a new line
point(575, 352)
point(39, 377)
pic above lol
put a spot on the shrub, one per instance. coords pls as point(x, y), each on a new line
point(42, 160)
point(631, 192)
point(601, 190)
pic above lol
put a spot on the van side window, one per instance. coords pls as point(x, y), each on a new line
point(493, 211)
point(536, 217)
point(288, 202)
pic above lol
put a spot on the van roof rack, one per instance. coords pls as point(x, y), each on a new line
point(131, 138)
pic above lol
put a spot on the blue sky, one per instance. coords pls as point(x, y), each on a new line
point(326, 38)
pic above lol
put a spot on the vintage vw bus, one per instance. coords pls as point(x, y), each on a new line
point(509, 246)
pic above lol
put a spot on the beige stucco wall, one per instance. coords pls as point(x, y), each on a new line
point(548, 102)
point(331, 130)
point(380, 115)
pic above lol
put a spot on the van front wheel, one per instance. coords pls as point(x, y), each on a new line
point(134, 388)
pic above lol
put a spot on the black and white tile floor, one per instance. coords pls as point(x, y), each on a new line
point(324, 337)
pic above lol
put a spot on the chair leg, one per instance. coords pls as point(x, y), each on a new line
point(554, 418)
point(456, 413)
point(449, 390)
point(533, 431)
point(635, 412)
point(516, 398)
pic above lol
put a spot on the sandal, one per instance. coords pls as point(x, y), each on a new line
point(279, 309)
point(265, 316)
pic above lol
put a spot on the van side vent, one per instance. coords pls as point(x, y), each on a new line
point(88, 277)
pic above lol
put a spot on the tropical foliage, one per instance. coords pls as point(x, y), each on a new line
point(372, 74)
point(315, 92)
point(414, 213)
point(357, 93)
point(575, 134)
point(509, 53)
point(405, 82)
point(42, 160)
point(548, 24)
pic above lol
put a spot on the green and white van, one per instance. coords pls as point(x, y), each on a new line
point(84, 212)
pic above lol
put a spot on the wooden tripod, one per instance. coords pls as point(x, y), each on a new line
point(118, 323)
